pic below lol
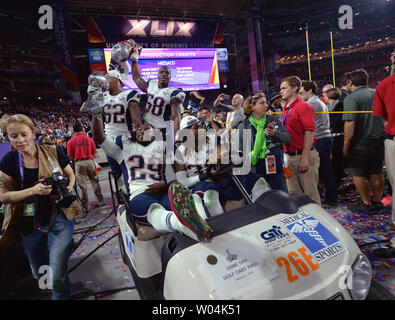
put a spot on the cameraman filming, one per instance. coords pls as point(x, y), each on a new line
point(32, 214)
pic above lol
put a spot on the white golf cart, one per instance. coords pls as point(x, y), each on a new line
point(280, 247)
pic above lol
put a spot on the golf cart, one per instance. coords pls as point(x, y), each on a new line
point(280, 247)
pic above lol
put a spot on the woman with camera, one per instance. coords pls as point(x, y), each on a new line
point(33, 213)
point(268, 135)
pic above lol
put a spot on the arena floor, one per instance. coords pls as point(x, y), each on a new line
point(103, 273)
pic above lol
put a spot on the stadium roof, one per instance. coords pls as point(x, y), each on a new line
point(187, 9)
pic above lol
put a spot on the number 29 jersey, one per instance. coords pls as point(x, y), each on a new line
point(116, 114)
point(158, 108)
point(145, 164)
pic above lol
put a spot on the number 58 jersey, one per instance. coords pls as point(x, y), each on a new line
point(158, 107)
point(116, 114)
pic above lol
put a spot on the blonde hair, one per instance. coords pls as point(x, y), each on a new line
point(251, 101)
point(6, 120)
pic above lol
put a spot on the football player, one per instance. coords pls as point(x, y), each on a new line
point(120, 110)
point(142, 152)
point(163, 102)
point(194, 168)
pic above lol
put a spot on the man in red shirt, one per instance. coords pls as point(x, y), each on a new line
point(384, 106)
point(81, 149)
point(299, 154)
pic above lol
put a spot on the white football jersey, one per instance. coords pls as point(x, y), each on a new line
point(158, 109)
point(194, 161)
point(145, 164)
point(116, 114)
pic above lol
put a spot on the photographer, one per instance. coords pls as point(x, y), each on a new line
point(43, 224)
point(208, 121)
point(235, 112)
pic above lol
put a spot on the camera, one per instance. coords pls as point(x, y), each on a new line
point(59, 183)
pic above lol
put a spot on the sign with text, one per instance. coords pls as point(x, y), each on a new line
point(222, 56)
point(237, 266)
point(191, 69)
point(152, 33)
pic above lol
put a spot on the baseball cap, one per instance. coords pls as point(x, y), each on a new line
point(274, 96)
point(115, 74)
point(188, 122)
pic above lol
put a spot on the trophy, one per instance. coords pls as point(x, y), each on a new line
point(97, 85)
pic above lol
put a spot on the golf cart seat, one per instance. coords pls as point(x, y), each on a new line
point(147, 233)
point(141, 232)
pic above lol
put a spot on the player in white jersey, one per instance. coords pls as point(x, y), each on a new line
point(121, 110)
point(115, 115)
point(142, 152)
point(120, 107)
point(159, 100)
point(198, 167)
point(163, 102)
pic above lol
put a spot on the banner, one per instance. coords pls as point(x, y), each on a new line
point(222, 56)
point(96, 56)
point(62, 42)
point(97, 60)
point(152, 33)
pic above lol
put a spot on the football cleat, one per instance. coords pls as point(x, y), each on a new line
point(183, 206)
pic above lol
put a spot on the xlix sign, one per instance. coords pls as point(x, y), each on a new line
point(156, 28)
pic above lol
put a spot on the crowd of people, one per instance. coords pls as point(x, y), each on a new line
point(290, 141)
point(54, 123)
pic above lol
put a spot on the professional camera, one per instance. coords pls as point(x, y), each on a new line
point(59, 183)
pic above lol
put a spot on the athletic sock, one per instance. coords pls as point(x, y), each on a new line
point(159, 218)
point(260, 187)
point(199, 206)
point(166, 221)
point(211, 201)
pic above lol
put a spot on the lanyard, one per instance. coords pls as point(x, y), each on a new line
point(21, 171)
point(21, 168)
point(289, 111)
point(286, 117)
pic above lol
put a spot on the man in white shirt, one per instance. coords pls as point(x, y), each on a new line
point(235, 112)
point(324, 143)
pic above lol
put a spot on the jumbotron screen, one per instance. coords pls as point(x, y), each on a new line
point(191, 69)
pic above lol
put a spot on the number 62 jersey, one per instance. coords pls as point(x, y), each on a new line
point(116, 116)
point(158, 107)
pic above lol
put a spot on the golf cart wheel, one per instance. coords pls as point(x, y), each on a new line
point(121, 247)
